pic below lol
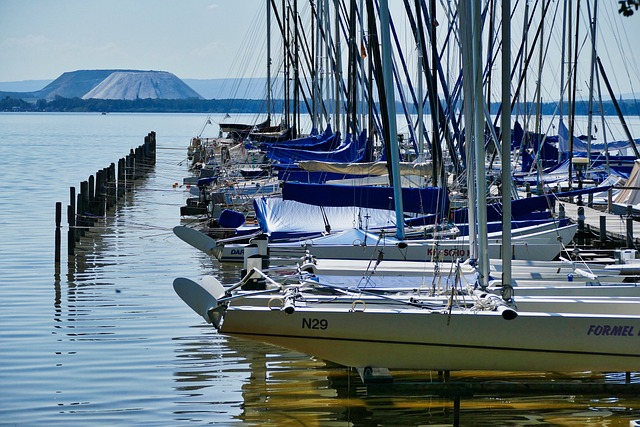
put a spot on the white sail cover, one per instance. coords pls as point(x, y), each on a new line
point(277, 216)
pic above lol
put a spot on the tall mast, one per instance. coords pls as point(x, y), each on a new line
point(591, 77)
point(387, 72)
point(483, 255)
point(296, 67)
point(539, 104)
point(314, 69)
point(464, 18)
point(505, 126)
point(327, 57)
point(269, 60)
point(420, 91)
point(438, 167)
point(338, 65)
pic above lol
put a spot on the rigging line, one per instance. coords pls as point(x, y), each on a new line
point(629, 61)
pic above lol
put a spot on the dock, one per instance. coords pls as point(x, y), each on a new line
point(608, 226)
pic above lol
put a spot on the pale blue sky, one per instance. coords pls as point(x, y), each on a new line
point(206, 39)
point(41, 39)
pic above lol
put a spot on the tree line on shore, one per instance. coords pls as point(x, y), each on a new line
point(629, 107)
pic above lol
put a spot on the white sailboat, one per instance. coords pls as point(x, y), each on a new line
point(398, 334)
point(452, 331)
point(539, 242)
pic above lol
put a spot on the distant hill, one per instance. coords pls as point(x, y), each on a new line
point(248, 88)
point(111, 84)
point(141, 85)
point(73, 84)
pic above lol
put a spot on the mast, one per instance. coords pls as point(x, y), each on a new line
point(469, 134)
point(604, 129)
point(285, 40)
point(505, 126)
point(539, 105)
point(562, 62)
point(438, 167)
point(591, 76)
point(269, 60)
point(420, 92)
point(483, 248)
point(352, 87)
point(361, 57)
point(296, 68)
point(387, 69)
point(314, 71)
point(575, 83)
point(618, 110)
point(338, 65)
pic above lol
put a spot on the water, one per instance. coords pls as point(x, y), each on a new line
point(103, 339)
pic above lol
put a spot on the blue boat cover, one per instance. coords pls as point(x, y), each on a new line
point(427, 200)
point(328, 140)
point(350, 151)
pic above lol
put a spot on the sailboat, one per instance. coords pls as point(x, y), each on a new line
point(454, 331)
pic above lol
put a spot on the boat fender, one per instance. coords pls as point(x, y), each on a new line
point(289, 300)
point(309, 268)
point(358, 305)
point(289, 306)
point(280, 302)
point(507, 312)
point(586, 274)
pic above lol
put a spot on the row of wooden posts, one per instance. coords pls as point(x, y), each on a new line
point(102, 191)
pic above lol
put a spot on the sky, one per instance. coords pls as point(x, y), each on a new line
point(218, 39)
point(41, 39)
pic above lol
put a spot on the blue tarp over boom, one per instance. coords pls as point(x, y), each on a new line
point(527, 208)
point(351, 151)
point(328, 140)
point(415, 200)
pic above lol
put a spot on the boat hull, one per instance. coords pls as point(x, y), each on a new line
point(419, 339)
point(542, 246)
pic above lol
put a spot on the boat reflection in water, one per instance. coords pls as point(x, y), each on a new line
point(280, 388)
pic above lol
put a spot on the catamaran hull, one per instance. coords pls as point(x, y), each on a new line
point(417, 339)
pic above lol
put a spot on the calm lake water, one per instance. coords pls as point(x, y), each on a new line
point(104, 340)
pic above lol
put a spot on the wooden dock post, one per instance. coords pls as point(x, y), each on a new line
point(92, 198)
point(79, 217)
point(580, 233)
point(84, 206)
point(100, 193)
point(629, 234)
point(456, 410)
point(71, 219)
point(139, 163)
point(131, 166)
point(121, 177)
point(58, 236)
point(603, 231)
point(111, 185)
point(609, 200)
